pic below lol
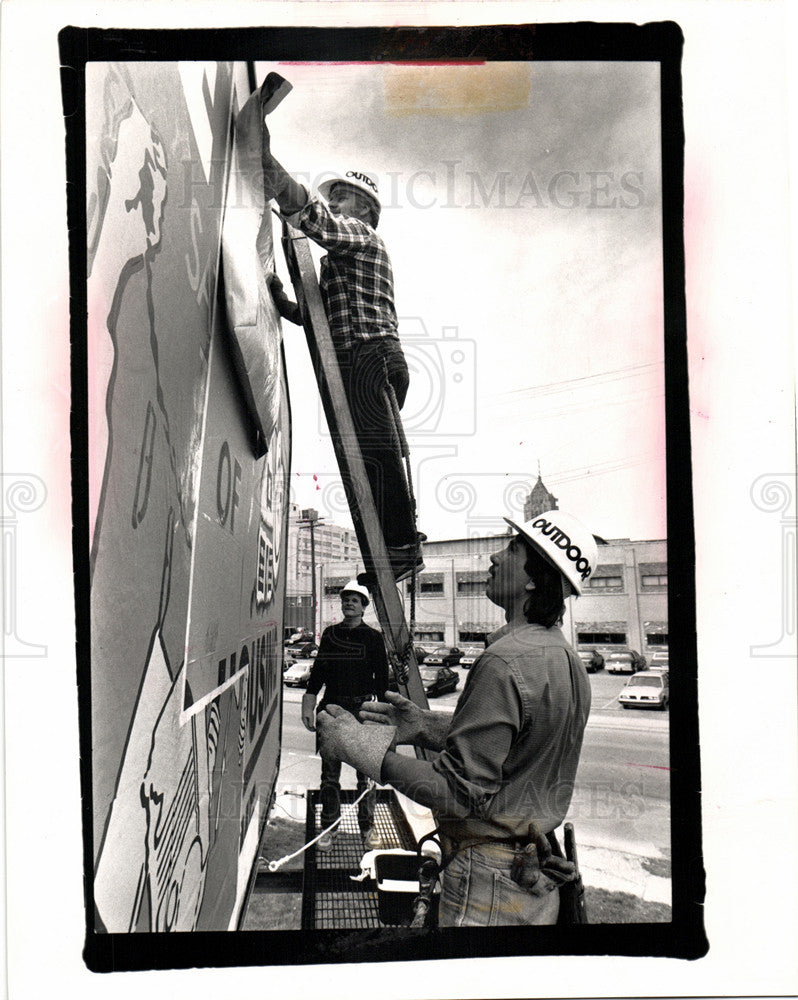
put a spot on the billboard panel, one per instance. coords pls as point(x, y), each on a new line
point(186, 514)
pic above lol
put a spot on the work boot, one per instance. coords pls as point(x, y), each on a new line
point(372, 839)
point(326, 841)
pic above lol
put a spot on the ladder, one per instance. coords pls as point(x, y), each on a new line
point(387, 601)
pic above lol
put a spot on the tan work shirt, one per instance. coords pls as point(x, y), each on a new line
point(513, 746)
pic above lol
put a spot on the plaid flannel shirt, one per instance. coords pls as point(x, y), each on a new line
point(356, 276)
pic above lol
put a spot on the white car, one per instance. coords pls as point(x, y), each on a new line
point(470, 655)
point(298, 673)
point(659, 661)
point(624, 661)
point(648, 689)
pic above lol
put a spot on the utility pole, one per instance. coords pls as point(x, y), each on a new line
point(455, 638)
point(309, 518)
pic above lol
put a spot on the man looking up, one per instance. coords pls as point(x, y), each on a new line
point(505, 773)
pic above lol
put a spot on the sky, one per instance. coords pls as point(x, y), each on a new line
point(522, 216)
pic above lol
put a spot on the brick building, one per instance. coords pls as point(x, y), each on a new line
point(625, 602)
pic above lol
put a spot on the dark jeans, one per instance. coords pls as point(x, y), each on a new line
point(331, 772)
point(365, 370)
point(331, 796)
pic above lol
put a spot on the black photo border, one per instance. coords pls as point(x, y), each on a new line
point(684, 937)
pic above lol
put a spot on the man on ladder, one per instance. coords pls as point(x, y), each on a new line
point(356, 282)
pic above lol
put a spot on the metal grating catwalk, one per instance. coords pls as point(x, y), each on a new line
point(330, 898)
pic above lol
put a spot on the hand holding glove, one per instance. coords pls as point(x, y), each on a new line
point(397, 711)
point(285, 307)
point(309, 711)
point(342, 737)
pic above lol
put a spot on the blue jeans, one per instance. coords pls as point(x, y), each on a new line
point(477, 891)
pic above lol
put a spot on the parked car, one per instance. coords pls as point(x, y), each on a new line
point(299, 652)
point(592, 659)
point(624, 661)
point(659, 661)
point(648, 689)
point(298, 673)
point(421, 654)
point(444, 656)
point(438, 680)
point(300, 639)
point(470, 654)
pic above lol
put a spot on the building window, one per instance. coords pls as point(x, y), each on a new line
point(473, 637)
point(432, 636)
point(601, 638)
point(608, 576)
point(653, 576)
point(605, 583)
point(430, 583)
point(657, 639)
point(471, 587)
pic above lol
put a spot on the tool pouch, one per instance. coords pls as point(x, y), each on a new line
point(429, 871)
point(572, 890)
point(525, 868)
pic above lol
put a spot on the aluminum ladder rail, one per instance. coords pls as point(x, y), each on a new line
point(387, 601)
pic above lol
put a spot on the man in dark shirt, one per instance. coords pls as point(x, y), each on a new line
point(352, 666)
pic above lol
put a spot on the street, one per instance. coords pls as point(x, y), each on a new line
point(622, 795)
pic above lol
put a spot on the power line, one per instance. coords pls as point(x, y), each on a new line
point(599, 378)
point(603, 468)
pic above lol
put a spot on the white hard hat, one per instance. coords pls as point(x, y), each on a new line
point(359, 179)
point(353, 587)
point(565, 543)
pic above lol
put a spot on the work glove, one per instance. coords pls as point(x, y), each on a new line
point(308, 711)
point(342, 737)
point(277, 182)
point(273, 89)
point(285, 307)
point(396, 711)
